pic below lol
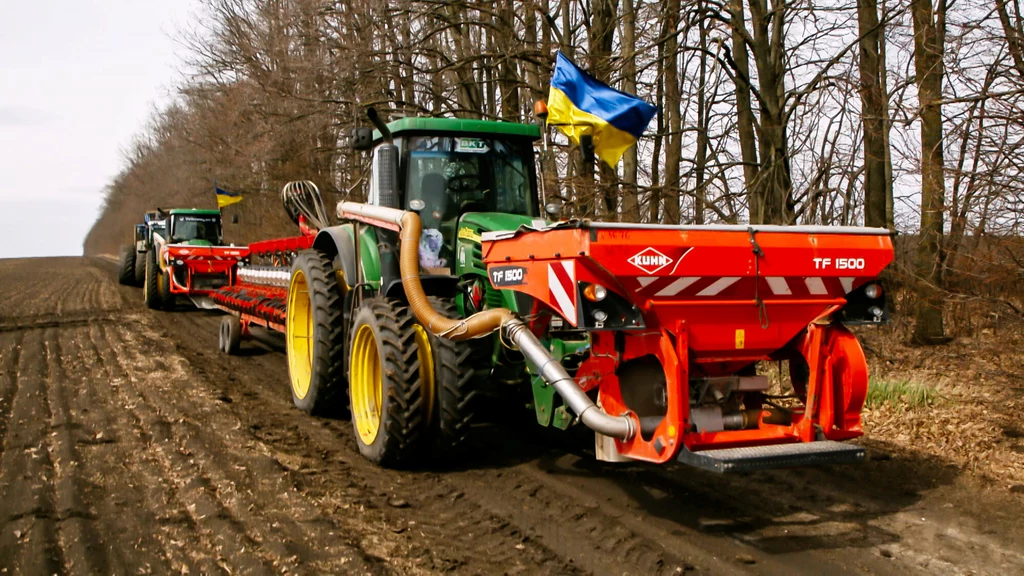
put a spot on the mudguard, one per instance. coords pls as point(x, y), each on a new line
point(337, 242)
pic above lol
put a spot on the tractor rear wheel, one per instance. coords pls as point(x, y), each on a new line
point(386, 383)
point(451, 388)
point(140, 268)
point(315, 335)
point(151, 292)
point(126, 268)
point(230, 334)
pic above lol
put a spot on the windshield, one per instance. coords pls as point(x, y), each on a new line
point(186, 227)
point(455, 175)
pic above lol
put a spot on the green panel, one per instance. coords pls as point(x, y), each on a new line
point(406, 126)
point(468, 256)
point(544, 395)
point(369, 256)
point(543, 400)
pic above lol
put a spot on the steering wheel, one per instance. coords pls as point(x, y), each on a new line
point(463, 182)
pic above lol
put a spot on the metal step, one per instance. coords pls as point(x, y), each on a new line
point(819, 453)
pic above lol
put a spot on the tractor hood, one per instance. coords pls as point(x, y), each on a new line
point(496, 221)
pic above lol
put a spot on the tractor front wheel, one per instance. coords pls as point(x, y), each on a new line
point(170, 301)
point(386, 387)
point(315, 335)
point(126, 268)
point(151, 292)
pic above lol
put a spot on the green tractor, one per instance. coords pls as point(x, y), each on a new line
point(349, 326)
point(185, 258)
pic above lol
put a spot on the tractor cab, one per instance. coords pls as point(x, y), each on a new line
point(194, 227)
point(463, 177)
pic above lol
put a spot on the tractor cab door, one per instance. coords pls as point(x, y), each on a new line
point(449, 176)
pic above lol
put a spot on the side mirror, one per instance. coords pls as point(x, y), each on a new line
point(361, 138)
point(386, 172)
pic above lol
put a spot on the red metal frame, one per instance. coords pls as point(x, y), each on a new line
point(711, 304)
point(260, 304)
point(201, 260)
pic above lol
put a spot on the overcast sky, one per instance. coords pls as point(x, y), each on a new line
point(78, 78)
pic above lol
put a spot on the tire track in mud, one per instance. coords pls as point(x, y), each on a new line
point(242, 497)
point(10, 353)
point(78, 535)
point(216, 545)
point(572, 526)
point(29, 541)
point(148, 495)
point(336, 483)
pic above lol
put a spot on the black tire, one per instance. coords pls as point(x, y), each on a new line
point(456, 386)
point(230, 334)
point(151, 293)
point(169, 300)
point(126, 267)
point(314, 290)
point(140, 268)
point(402, 426)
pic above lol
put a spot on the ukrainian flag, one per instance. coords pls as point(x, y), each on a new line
point(580, 104)
point(225, 198)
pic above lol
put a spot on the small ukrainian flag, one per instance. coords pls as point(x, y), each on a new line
point(225, 198)
point(579, 104)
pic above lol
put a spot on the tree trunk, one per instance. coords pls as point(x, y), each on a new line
point(872, 115)
point(883, 80)
point(744, 113)
point(703, 112)
point(929, 40)
point(630, 202)
point(673, 150)
point(773, 188)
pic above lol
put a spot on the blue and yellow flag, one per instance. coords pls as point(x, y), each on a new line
point(580, 104)
point(225, 198)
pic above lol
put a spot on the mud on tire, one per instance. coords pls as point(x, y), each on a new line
point(140, 268)
point(385, 386)
point(316, 361)
point(126, 266)
point(456, 386)
point(151, 293)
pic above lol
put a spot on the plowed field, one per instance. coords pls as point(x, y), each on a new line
point(130, 444)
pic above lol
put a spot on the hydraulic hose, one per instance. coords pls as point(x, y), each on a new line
point(485, 322)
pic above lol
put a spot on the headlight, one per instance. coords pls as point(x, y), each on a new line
point(595, 292)
point(600, 315)
point(872, 291)
point(179, 262)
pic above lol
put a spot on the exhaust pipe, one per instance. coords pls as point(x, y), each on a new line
point(484, 322)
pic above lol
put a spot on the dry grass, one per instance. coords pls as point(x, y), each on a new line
point(895, 392)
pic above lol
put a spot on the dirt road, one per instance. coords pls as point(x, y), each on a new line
point(129, 444)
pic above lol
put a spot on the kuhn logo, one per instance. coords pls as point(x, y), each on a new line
point(650, 260)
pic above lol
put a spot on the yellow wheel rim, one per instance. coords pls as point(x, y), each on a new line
point(365, 384)
point(426, 358)
point(299, 335)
